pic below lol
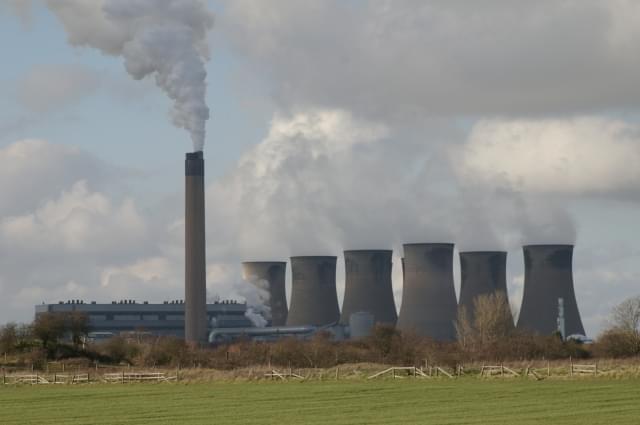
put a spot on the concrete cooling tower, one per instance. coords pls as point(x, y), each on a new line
point(482, 273)
point(314, 300)
point(368, 286)
point(195, 322)
point(548, 276)
point(269, 276)
point(429, 304)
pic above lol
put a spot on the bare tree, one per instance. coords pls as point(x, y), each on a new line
point(491, 322)
point(464, 329)
point(492, 319)
point(626, 315)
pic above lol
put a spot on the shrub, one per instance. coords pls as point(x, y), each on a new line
point(118, 350)
point(617, 343)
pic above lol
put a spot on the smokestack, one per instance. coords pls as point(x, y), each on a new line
point(195, 323)
point(548, 276)
point(273, 273)
point(482, 273)
point(429, 305)
point(314, 300)
point(368, 286)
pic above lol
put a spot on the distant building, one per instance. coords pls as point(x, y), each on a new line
point(122, 317)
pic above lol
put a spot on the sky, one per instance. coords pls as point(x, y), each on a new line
point(331, 125)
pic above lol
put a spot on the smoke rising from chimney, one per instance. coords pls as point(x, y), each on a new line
point(164, 39)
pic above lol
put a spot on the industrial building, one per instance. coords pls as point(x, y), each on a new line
point(481, 273)
point(548, 277)
point(429, 306)
point(166, 319)
point(368, 286)
point(314, 300)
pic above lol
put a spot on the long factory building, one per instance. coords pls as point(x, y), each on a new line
point(167, 318)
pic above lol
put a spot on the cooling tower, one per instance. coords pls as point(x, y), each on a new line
point(195, 322)
point(368, 286)
point(548, 276)
point(313, 291)
point(429, 304)
point(269, 276)
point(482, 273)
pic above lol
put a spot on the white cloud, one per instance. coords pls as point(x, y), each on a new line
point(79, 221)
point(581, 156)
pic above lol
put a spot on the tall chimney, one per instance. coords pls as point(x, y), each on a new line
point(481, 273)
point(368, 286)
point(314, 300)
point(195, 323)
point(273, 274)
point(548, 276)
point(429, 305)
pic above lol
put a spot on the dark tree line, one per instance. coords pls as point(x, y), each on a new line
point(49, 332)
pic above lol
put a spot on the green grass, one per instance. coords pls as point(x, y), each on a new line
point(467, 401)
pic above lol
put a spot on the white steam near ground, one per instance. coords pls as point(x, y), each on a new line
point(164, 39)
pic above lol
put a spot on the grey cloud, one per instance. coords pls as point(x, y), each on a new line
point(31, 170)
point(50, 87)
point(20, 8)
point(408, 58)
point(65, 225)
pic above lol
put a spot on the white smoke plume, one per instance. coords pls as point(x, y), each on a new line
point(256, 294)
point(165, 39)
point(224, 283)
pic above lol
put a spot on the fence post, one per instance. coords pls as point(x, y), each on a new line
point(570, 366)
point(596, 368)
point(4, 376)
point(548, 369)
point(123, 376)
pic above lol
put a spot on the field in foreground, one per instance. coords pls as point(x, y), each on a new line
point(466, 401)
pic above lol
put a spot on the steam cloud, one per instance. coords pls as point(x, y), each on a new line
point(165, 39)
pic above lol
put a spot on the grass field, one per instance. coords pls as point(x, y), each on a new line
point(466, 401)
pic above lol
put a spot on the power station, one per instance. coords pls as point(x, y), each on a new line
point(368, 286)
point(548, 277)
point(429, 305)
point(314, 300)
point(428, 308)
point(481, 273)
point(270, 277)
